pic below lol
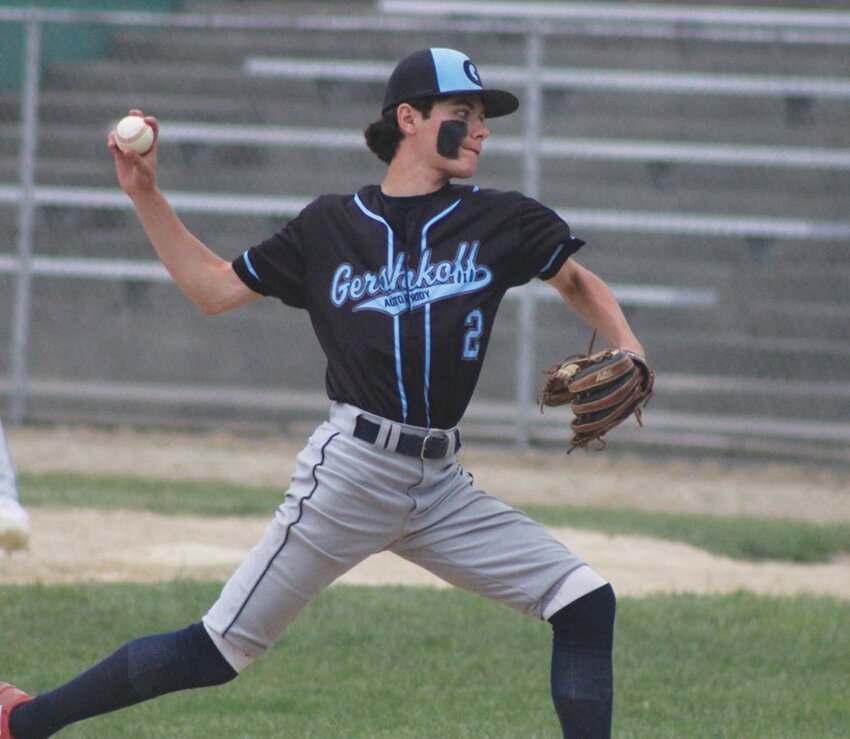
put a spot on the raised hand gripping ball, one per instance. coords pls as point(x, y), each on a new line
point(133, 133)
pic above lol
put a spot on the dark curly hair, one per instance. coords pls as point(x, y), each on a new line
point(383, 136)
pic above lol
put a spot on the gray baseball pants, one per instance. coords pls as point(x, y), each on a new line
point(349, 499)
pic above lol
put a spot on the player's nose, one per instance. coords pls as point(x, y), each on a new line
point(480, 130)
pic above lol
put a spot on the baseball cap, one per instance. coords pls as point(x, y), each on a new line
point(439, 73)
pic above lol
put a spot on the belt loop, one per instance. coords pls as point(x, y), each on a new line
point(383, 434)
point(452, 442)
point(393, 435)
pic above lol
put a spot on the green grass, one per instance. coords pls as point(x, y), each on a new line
point(743, 538)
point(408, 662)
point(737, 537)
point(158, 496)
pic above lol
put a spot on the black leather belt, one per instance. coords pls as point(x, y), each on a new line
point(436, 445)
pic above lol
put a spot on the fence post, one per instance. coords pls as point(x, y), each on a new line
point(531, 185)
point(26, 217)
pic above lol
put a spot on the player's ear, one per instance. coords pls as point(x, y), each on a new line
point(407, 117)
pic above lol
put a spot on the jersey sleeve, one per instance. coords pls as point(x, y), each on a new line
point(276, 266)
point(545, 242)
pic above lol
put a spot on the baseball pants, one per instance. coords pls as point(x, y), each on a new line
point(349, 499)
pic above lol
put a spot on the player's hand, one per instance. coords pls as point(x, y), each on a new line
point(136, 172)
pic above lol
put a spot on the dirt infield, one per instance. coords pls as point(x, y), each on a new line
point(72, 545)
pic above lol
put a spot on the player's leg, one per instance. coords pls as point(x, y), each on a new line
point(14, 521)
point(327, 523)
point(476, 542)
point(343, 505)
point(582, 675)
point(8, 484)
point(137, 671)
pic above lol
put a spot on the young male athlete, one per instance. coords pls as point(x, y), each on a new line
point(401, 282)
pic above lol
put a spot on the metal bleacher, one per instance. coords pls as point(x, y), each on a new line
point(703, 152)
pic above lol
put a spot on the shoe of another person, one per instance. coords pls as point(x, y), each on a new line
point(10, 698)
point(14, 526)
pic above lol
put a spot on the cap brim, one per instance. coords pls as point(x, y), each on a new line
point(498, 103)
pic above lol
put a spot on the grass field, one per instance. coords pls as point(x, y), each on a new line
point(408, 662)
point(418, 662)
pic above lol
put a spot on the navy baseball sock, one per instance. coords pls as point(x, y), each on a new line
point(139, 670)
point(582, 671)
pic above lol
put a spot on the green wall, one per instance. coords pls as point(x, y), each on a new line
point(61, 41)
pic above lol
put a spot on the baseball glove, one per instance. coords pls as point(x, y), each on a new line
point(603, 390)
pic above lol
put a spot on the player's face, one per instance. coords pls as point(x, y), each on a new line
point(457, 150)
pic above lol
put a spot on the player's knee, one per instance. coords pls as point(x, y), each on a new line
point(233, 653)
point(589, 620)
point(179, 660)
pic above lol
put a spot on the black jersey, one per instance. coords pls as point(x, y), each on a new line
point(403, 300)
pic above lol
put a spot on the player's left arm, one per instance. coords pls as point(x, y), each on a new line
point(593, 301)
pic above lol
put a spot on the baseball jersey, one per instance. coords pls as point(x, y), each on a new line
point(402, 292)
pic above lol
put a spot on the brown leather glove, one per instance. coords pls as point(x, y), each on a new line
point(603, 390)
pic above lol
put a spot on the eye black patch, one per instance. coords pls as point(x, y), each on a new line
point(449, 138)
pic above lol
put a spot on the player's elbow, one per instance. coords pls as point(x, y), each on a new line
point(209, 309)
point(205, 303)
point(222, 292)
point(214, 304)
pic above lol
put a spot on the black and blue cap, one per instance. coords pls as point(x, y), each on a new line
point(440, 73)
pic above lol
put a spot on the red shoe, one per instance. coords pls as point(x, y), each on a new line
point(10, 699)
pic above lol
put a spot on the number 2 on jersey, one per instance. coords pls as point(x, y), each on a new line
point(472, 337)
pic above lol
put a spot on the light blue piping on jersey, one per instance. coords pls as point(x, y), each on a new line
point(250, 266)
point(552, 259)
point(424, 245)
point(396, 331)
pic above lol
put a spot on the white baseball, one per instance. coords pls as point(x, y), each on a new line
point(133, 133)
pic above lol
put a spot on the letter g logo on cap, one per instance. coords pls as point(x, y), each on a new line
point(471, 72)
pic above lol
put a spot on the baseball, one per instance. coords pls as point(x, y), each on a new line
point(133, 133)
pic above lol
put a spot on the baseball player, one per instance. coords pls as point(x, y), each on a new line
point(14, 521)
point(402, 282)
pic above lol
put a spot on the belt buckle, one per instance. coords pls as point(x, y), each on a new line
point(435, 445)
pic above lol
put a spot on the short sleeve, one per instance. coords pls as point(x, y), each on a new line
point(545, 242)
point(276, 266)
